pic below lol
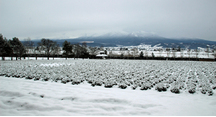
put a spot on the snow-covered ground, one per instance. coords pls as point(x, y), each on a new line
point(22, 97)
point(33, 58)
point(49, 87)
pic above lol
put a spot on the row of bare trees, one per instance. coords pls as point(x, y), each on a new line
point(48, 46)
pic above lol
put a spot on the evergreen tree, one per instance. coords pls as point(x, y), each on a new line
point(153, 55)
point(84, 52)
point(18, 48)
point(67, 47)
point(5, 48)
point(105, 52)
point(141, 54)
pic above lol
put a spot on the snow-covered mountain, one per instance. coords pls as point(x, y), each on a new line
point(113, 39)
point(129, 34)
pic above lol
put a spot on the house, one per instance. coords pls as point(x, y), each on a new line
point(101, 55)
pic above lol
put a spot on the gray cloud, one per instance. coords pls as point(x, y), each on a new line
point(73, 18)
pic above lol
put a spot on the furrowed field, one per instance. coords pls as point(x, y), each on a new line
point(188, 79)
point(162, 75)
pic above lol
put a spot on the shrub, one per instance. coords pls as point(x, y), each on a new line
point(123, 86)
point(134, 87)
point(45, 79)
point(29, 77)
point(146, 86)
point(204, 90)
point(36, 78)
point(175, 89)
point(210, 93)
point(108, 85)
point(76, 81)
point(192, 90)
point(159, 74)
point(63, 81)
point(214, 87)
point(161, 87)
point(191, 86)
point(98, 83)
point(93, 84)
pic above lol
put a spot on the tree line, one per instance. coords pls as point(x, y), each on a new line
point(11, 47)
point(49, 48)
point(15, 48)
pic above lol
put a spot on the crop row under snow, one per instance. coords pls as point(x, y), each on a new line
point(176, 76)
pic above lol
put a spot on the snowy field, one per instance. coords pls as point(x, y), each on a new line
point(107, 87)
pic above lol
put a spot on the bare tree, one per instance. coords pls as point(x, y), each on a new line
point(189, 53)
point(29, 46)
point(135, 52)
point(122, 53)
point(39, 49)
point(207, 50)
point(102, 48)
point(36, 50)
point(197, 53)
point(146, 53)
point(160, 52)
point(174, 53)
point(168, 52)
point(111, 53)
point(84, 51)
point(93, 50)
point(56, 51)
point(128, 54)
point(182, 53)
point(214, 53)
point(48, 46)
point(77, 51)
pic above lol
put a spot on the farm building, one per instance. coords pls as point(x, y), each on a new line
point(101, 55)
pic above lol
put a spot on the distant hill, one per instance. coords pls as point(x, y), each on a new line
point(131, 39)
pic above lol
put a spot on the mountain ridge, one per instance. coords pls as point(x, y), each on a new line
point(135, 39)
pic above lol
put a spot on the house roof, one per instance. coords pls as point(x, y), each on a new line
point(100, 55)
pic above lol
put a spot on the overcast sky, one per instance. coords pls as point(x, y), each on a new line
point(73, 18)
